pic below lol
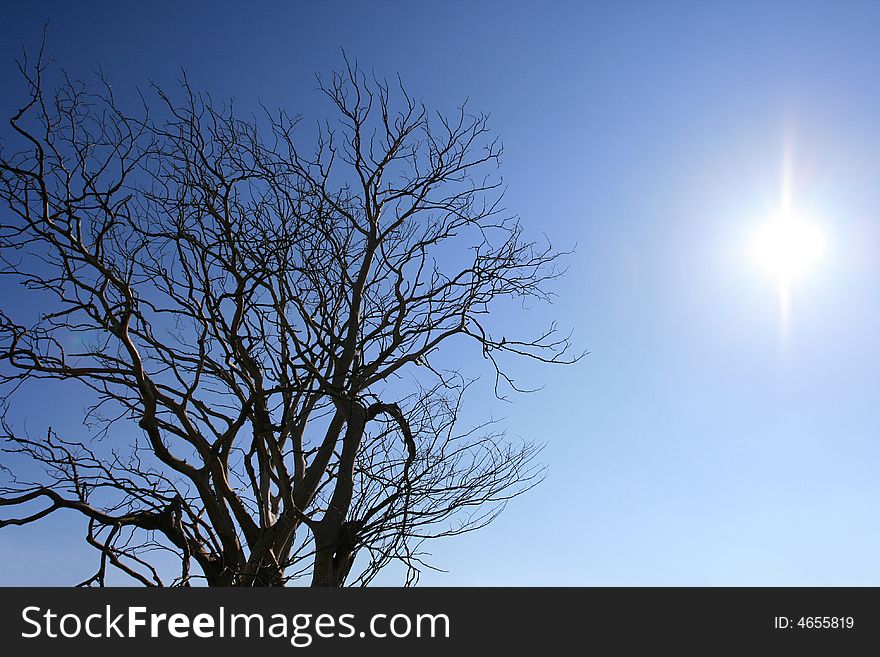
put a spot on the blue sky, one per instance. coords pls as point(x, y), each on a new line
point(698, 443)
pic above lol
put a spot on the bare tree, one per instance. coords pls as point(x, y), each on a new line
point(261, 328)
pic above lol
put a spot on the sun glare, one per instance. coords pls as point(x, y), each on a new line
point(788, 247)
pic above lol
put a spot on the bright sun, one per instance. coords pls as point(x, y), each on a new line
point(788, 246)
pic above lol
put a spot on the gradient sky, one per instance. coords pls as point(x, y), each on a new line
point(699, 443)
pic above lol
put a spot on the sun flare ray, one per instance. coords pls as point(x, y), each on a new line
point(788, 245)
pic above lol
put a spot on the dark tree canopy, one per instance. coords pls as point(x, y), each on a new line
point(261, 325)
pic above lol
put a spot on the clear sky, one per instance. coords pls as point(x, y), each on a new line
point(702, 442)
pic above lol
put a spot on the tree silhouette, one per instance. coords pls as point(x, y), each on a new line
point(262, 328)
